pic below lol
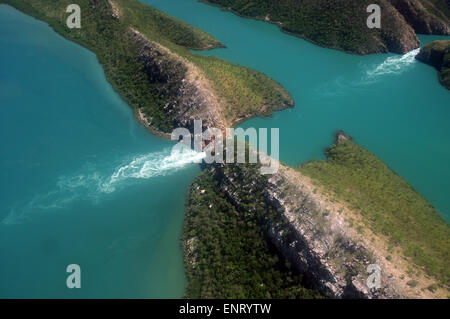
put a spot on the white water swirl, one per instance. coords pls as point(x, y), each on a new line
point(93, 186)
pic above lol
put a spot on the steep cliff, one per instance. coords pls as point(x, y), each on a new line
point(424, 16)
point(437, 54)
point(341, 24)
point(327, 237)
point(146, 56)
point(226, 253)
point(313, 239)
point(187, 94)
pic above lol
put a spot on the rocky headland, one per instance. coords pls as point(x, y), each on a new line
point(328, 240)
point(342, 24)
point(437, 54)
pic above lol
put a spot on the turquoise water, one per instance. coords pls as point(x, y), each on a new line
point(81, 182)
point(391, 104)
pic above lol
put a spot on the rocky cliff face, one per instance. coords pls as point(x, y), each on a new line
point(423, 16)
point(330, 240)
point(319, 236)
point(396, 34)
point(437, 54)
point(311, 235)
point(341, 24)
point(319, 244)
point(188, 94)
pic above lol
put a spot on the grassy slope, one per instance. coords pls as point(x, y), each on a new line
point(104, 35)
point(244, 92)
point(229, 256)
point(247, 92)
point(161, 27)
point(387, 204)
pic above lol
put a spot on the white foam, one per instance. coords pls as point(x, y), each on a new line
point(394, 64)
point(94, 186)
point(150, 165)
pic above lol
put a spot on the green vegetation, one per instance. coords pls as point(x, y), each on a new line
point(247, 92)
point(388, 205)
point(160, 27)
point(226, 252)
point(437, 54)
point(425, 16)
point(438, 7)
point(104, 35)
point(119, 55)
point(341, 24)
